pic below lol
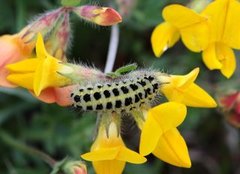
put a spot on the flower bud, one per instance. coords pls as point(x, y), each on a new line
point(69, 166)
point(74, 167)
point(44, 24)
point(104, 16)
point(230, 105)
point(58, 42)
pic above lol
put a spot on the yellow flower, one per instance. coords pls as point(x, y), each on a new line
point(109, 154)
point(172, 148)
point(13, 49)
point(38, 73)
point(214, 31)
point(192, 27)
point(181, 88)
point(160, 136)
point(225, 35)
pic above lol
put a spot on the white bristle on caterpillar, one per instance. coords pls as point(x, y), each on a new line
point(123, 94)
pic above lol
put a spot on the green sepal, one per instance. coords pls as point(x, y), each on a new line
point(58, 166)
point(67, 165)
point(70, 3)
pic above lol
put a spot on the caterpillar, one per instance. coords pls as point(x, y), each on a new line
point(123, 94)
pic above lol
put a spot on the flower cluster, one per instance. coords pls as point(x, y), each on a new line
point(49, 76)
point(213, 32)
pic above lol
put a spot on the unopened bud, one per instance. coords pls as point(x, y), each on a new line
point(230, 105)
point(43, 24)
point(104, 16)
point(58, 42)
point(69, 166)
point(74, 167)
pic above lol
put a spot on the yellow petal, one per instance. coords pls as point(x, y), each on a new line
point(151, 132)
point(232, 33)
point(102, 154)
point(23, 80)
point(130, 156)
point(28, 65)
point(172, 149)
point(183, 89)
point(109, 167)
point(193, 27)
point(196, 37)
point(228, 61)
point(210, 57)
point(38, 83)
point(174, 89)
point(181, 16)
point(46, 75)
point(163, 37)
point(195, 96)
point(182, 82)
point(168, 115)
point(40, 48)
point(223, 15)
point(160, 119)
point(220, 56)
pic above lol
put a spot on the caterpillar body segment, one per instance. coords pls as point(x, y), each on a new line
point(124, 94)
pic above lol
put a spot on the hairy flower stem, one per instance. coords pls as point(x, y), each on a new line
point(6, 138)
point(112, 49)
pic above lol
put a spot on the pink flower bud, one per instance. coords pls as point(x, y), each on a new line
point(231, 107)
point(104, 16)
point(43, 24)
point(79, 170)
point(58, 42)
point(74, 167)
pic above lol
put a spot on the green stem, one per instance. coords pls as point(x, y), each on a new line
point(6, 138)
point(21, 14)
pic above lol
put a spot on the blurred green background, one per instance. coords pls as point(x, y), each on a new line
point(213, 143)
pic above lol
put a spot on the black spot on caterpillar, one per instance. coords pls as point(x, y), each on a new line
point(123, 94)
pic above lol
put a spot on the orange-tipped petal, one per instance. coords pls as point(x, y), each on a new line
point(104, 16)
point(60, 96)
point(12, 49)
